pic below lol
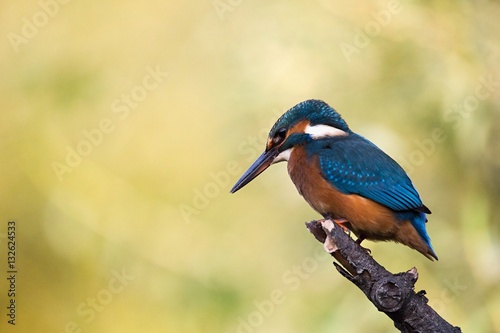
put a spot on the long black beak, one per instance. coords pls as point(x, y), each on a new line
point(261, 164)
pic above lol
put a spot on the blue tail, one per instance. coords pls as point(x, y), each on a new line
point(418, 220)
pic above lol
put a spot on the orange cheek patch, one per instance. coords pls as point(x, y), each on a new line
point(268, 144)
point(300, 127)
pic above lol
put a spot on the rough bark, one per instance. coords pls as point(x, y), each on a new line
point(392, 294)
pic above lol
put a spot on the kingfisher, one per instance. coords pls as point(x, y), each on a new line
point(345, 177)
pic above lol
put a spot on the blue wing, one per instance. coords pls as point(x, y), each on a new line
point(355, 165)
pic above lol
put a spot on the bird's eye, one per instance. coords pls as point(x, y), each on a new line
point(280, 135)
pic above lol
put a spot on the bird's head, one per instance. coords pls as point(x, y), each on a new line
point(306, 121)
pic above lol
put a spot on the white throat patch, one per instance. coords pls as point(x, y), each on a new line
point(323, 131)
point(283, 156)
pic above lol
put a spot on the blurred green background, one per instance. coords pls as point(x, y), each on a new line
point(125, 124)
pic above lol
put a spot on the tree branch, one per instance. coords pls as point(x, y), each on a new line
point(392, 294)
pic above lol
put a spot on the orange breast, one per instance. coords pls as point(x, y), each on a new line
point(367, 218)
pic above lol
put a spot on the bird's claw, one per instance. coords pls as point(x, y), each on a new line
point(359, 240)
point(367, 250)
point(341, 223)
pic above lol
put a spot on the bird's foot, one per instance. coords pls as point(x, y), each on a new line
point(359, 240)
point(341, 222)
point(367, 250)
